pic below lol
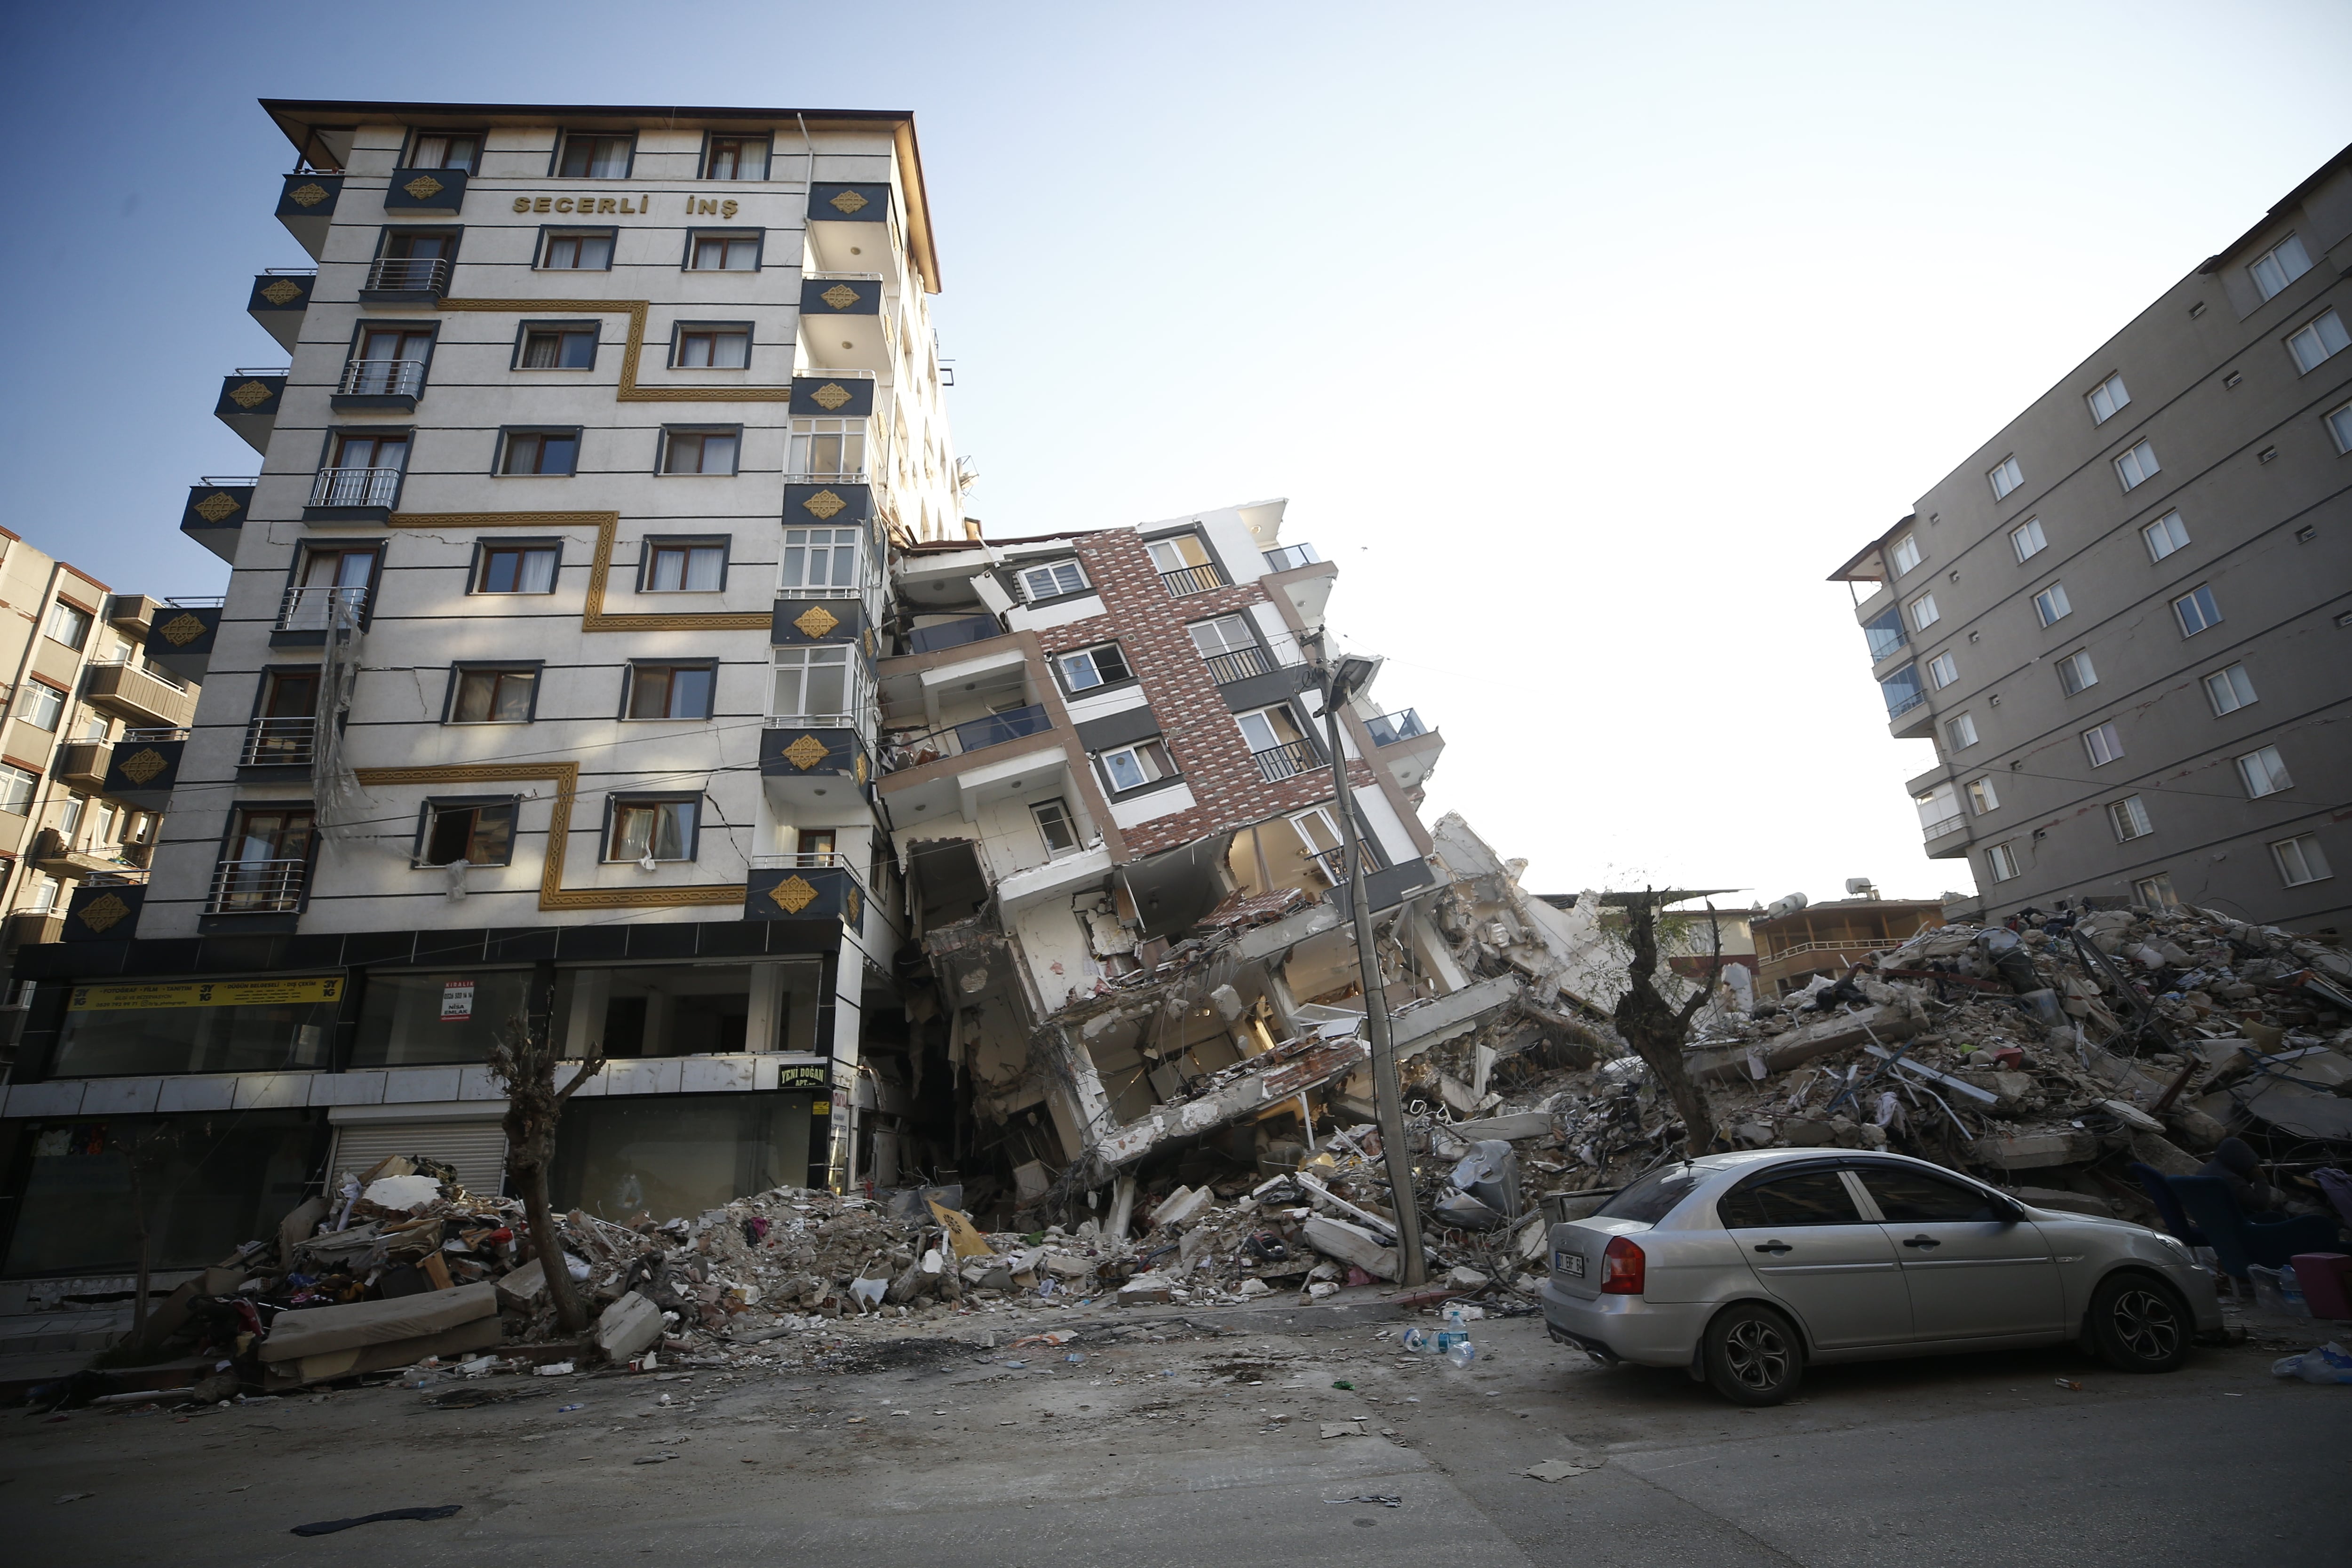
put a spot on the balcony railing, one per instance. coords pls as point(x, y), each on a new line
point(1284, 557)
point(1224, 669)
point(1931, 831)
point(803, 860)
point(1193, 580)
point(409, 275)
point(256, 888)
point(382, 378)
point(1287, 760)
point(355, 486)
point(1401, 725)
point(1898, 706)
point(954, 740)
point(953, 634)
point(279, 743)
point(1857, 944)
point(311, 609)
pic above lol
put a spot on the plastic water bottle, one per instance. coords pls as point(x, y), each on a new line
point(1454, 1339)
point(1461, 1352)
point(1419, 1340)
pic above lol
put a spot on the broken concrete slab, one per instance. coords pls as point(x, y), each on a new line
point(1181, 1206)
point(1354, 1244)
point(627, 1326)
point(521, 1289)
point(1515, 1128)
point(1840, 1031)
point(2034, 1150)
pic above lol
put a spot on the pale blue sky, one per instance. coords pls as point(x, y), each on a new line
point(1586, 338)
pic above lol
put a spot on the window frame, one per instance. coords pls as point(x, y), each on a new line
point(458, 671)
point(2280, 782)
point(1951, 736)
point(429, 816)
point(35, 683)
point(550, 233)
point(655, 544)
point(2007, 468)
point(856, 696)
point(2053, 596)
point(1113, 789)
point(2114, 381)
point(2209, 603)
point(564, 144)
point(13, 779)
point(485, 548)
point(2307, 849)
point(2212, 699)
point(2003, 854)
point(809, 549)
point(1037, 810)
point(1909, 541)
point(503, 450)
point(593, 330)
point(757, 236)
point(1086, 581)
point(2113, 743)
point(2319, 337)
point(2072, 681)
point(1925, 603)
point(1983, 796)
point(2017, 535)
point(680, 330)
point(669, 435)
point(633, 672)
point(620, 801)
point(1127, 675)
point(2155, 891)
point(2129, 819)
point(2286, 278)
point(61, 605)
point(2339, 427)
point(1943, 669)
point(710, 139)
point(2171, 522)
point(2132, 455)
point(418, 134)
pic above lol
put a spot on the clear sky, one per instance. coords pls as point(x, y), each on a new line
point(1587, 338)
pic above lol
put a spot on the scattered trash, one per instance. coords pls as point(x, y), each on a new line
point(2069, 1385)
point(1385, 1500)
point(568, 1409)
point(1346, 1428)
point(555, 1369)
point(2328, 1363)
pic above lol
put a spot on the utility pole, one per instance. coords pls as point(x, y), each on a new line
point(1338, 685)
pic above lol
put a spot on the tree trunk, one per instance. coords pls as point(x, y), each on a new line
point(1655, 1029)
point(545, 1241)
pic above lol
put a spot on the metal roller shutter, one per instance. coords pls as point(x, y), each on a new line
point(478, 1149)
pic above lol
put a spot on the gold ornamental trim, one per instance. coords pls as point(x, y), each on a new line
point(103, 913)
point(141, 767)
point(849, 907)
point(830, 396)
point(182, 629)
point(214, 507)
point(424, 187)
point(805, 752)
point(309, 196)
point(632, 353)
point(841, 296)
point(848, 203)
point(252, 395)
point(793, 894)
point(281, 293)
point(825, 505)
point(815, 621)
point(860, 769)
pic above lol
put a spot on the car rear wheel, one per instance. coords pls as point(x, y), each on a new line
point(2139, 1325)
point(1753, 1355)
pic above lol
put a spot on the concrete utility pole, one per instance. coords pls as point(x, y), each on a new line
point(1338, 685)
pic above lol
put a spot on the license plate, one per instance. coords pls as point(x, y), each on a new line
point(1570, 1264)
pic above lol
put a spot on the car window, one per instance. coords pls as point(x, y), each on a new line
point(1914, 1198)
point(1815, 1197)
point(1653, 1198)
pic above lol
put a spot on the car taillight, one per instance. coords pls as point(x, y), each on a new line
point(1622, 1269)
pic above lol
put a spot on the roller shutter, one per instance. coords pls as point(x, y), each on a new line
point(477, 1149)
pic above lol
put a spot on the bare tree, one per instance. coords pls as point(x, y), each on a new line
point(523, 1058)
point(1655, 1028)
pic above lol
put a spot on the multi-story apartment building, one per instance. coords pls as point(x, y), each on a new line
point(2126, 621)
point(83, 704)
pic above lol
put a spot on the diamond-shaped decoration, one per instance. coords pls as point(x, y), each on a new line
point(103, 913)
point(849, 907)
point(815, 621)
point(424, 187)
point(805, 752)
point(182, 629)
point(830, 396)
point(281, 293)
point(252, 395)
point(309, 196)
point(860, 769)
point(142, 766)
point(825, 503)
point(848, 202)
point(792, 894)
point(841, 296)
point(214, 507)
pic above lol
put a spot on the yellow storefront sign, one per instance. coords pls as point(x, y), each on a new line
point(207, 994)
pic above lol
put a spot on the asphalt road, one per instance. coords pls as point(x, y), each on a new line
point(1172, 1447)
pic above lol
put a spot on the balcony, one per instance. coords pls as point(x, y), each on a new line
point(33, 928)
point(1287, 760)
point(1390, 728)
point(801, 764)
point(842, 322)
point(55, 855)
point(406, 281)
point(1193, 580)
point(955, 740)
point(804, 888)
point(1306, 580)
point(136, 697)
point(1282, 558)
point(952, 633)
point(353, 495)
point(1904, 694)
point(144, 766)
point(441, 190)
point(1243, 663)
point(82, 764)
point(279, 743)
point(248, 405)
point(306, 207)
point(181, 640)
point(1945, 837)
point(851, 225)
point(130, 614)
point(315, 609)
point(257, 887)
point(279, 300)
point(1407, 748)
point(1886, 635)
point(215, 513)
point(394, 384)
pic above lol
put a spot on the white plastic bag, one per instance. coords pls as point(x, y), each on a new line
point(2329, 1363)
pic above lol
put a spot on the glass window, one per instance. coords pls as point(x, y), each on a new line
point(1944, 669)
point(552, 453)
point(1885, 634)
point(736, 158)
point(445, 150)
point(2318, 341)
point(1982, 796)
point(480, 832)
point(2052, 605)
point(1901, 690)
point(671, 691)
point(1653, 1198)
point(16, 789)
point(814, 686)
point(593, 157)
point(2027, 539)
point(1092, 666)
point(664, 829)
point(2001, 862)
point(2300, 861)
point(2108, 398)
point(2279, 266)
point(820, 563)
point(2102, 744)
point(2156, 892)
point(1960, 729)
point(494, 696)
point(685, 568)
point(828, 448)
point(1226, 634)
point(1906, 554)
point(724, 253)
point(1813, 1197)
point(558, 348)
point(1923, 613)
point(700, 452)
point(2136, 467)
point(2265, 773)
point(40, 706)
point(1914, 1198)
point(201, 1025)
point(1268, 727)
point(521, 569)
point(1049, 582)
point(68, 624)
point(714, 348)
point(419, 1017)
point(1055, 827)
point(2006, 476)
point(2164, 535)
point(2229, 690)
point(2074, 672)
point(2129, 817)
point(590, 251)
point(1180, 554)
point(2196, 610)
point(1132, 767)
point(2340, 425)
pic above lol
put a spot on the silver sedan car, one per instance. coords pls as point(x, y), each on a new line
point(1743, 1268)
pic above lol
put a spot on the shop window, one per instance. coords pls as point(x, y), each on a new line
point(198, 1025)
point(630, 1159)
point(419, 1017)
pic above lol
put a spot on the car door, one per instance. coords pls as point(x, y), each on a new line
point(1813, 1248)
point(1970, 1273)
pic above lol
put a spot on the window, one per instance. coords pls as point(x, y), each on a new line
point(653, 829)
point(494, 696)
point(820, 563)
point(2001, 862)
point(262, 865)
point(723, 253)
point(358, 451)
point(1055, 827)
point(391, 362)
point(44, 896)
point(2005, 477)
point(736, 158)
point(480, 832)
point(1914, 1197)
point(1226, 634)
point(2129, 817)
point(2138, 466)
point(2229, 690)
point(713, 348)
point(69, 817)
point(1273, 736)
point(2265, 773)
point(2164, 535)
point(517, 569)
point(1811, 1198)
point(2300, 860)
point(557, 348)
point(1943, 669)
point(814, 685)
point(541, 454)
point(2102, 745)
point(445, 150)
point(1906, 554)
point(671, 690)
point(2318, 341)
point(2106, 399)
point(1091, 667)
point(2195, 610)
point(2279, 266)
point(1923, 613)
point(1653, 1198)
point(1885, 634)
point(700, 451)
point(2026, 539)
point(595, 157)
point(683, 568)
point(1132, 767)
point(2340, 425)
point(1183, 553)
point(1982, 796)
point(16, 789)
point(1051, 581)
point(2052, 605)
point(1901, 691)
point(579, 250)
point(829, 449)
point(40, 706)
point(328, 578)
point(2156, 892)
point(2074, 672)
point(68, 624)
point(1960, 731)
point(815, 846)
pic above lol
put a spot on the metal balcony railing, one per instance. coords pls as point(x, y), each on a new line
point(226, 482)
point(1287, 760)
point(279, 743)
point(409, 275)
point(355, 486)
point(1224, 669)
point(1931, 831)
point(382, 378)
point(954, 740)
point(1284, 557)
point(311, 609)
point(1193, 580)
point(1390, 728)
point(802, 860)
point(257, 887)
point(953, 634)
